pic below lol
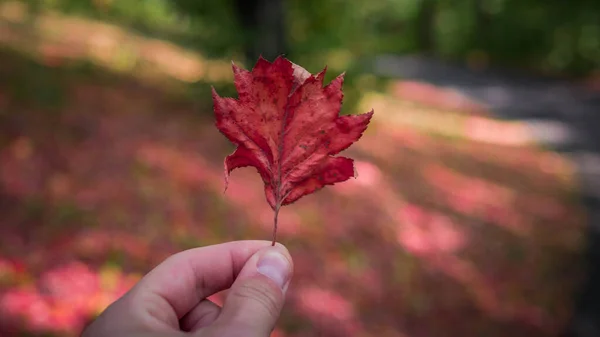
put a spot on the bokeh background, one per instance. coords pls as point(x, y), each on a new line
point(478, 177)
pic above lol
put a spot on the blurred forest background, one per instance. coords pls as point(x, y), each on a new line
point(460, 223)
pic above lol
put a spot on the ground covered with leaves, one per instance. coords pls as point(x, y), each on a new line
point(457, 225)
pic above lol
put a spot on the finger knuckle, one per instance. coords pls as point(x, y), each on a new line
point(262, 294)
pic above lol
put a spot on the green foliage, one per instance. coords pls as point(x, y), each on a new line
point(557, 37)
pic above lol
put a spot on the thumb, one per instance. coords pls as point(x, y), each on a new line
point(256, 298)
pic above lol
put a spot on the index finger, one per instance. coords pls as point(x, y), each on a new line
point(188, 277)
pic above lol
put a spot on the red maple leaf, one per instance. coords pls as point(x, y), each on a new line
point(287, 125)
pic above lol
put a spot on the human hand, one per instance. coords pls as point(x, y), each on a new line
point(171, 299)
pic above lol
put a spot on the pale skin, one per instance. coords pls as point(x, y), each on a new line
point(171, 299)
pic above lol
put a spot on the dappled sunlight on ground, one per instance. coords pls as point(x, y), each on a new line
point(435, 97)
point(448, 229)
point(59, 40)
point(455, 122)
point(423, 232)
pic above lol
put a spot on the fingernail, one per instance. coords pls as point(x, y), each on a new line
point(274, 266)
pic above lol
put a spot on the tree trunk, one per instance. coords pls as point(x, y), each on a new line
point(425, 26)
point(263, 24)
point(482, 24)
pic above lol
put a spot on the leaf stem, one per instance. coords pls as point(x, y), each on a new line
point(275, 218)
point(278, 182)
